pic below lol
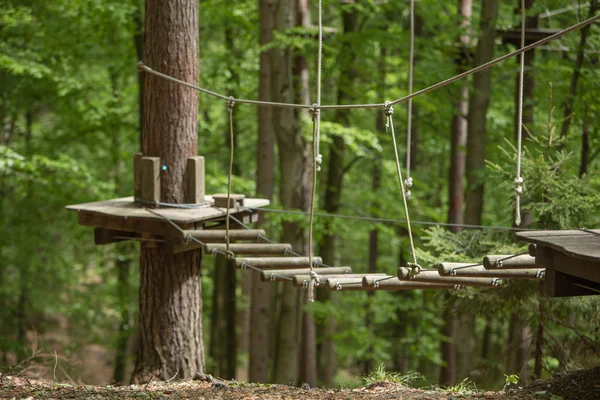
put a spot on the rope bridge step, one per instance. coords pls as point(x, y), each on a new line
point(277, 262)
point(250, 248)
point(467, 270)
point(392, 283)
point(278, 275)
point(433, 276)
point(217, 236)
point(509, 262)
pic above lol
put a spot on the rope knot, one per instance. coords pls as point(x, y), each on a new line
point(408, 182)
point(314, 111)
point(230, 103)
point(519, 185)
point(415, 269)
point(388, 110)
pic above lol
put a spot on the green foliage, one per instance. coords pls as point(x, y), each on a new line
point(381, 375)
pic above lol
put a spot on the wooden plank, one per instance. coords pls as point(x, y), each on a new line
point(137, 175)
point(434, 276)
point(507, 261)
point(126, 208)
point(396, 284)
point(279, 275)
point(562, 285)
point(304, 279)
point(263, 249)
point(277, 262)
point(220, 200)
point(151, 179)
point(219, 235)
point(194, 176)
point(481, 272)
point(108, 236)
point(139, 225)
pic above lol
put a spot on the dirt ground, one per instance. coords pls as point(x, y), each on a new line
point(581, 385)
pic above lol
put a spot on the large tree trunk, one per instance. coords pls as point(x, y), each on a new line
point(308, 349)
point(477, 117)
point(456, 188)
point(333, 190)
point(294, 188)
point(261, 292)
point(170, 291)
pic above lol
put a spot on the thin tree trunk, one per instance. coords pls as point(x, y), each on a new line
point(217, 345)
point(585, 143)
point(170, 291)
point(568, 106)
point(477, 117)
point(448, 369)
point(230, 308)
point(294, 187)
point(261, 292)
point(539, 337)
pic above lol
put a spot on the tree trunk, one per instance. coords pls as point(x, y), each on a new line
point(230, 304)
point(261, 292)
point(170, 291)
point(585, 143)
point(216, 348)
point(294, 187)
point(448, 369)
point(335, 175)
point(308, 358)
point(477, 117)
point(568, 106)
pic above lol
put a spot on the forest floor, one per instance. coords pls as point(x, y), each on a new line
point(581, 385)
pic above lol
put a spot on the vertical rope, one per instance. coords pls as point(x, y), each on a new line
point(519, 179)
point(389, 126)
point(411, 59)
point(230, 104)
point(311, 285)
point(316, 157)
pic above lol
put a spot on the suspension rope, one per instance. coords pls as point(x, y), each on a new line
point(391, 220)
point(230, 105)
point(317, 151)
point(411, 60)
point(518, 179)
point(143, 67)
point(389, 112)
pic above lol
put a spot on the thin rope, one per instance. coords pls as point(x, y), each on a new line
point(311, 285)
point(230, 105)
point(317, 151)
point(390, 220)
point(143, 67)
point(411, 60)
point(389, 112)
point(518, 178)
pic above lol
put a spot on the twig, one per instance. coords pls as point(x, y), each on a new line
point(55, 365)
point(148, 383)
point(177, 372)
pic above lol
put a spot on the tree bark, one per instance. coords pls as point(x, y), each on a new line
point(170, 291)
point(585, 143)
point(261, 292)
point(568, 106)
point(335, 176)
point(477, 117)
point(293, 166)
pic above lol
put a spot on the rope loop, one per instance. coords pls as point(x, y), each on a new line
point(315, 277)
point(229, 255)
point(388, 110)
point(230, 103)
point(314, 111)
point(415, 269)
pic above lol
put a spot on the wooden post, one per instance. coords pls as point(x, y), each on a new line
point(195, 173)
point(151, 179)
point(137, 176)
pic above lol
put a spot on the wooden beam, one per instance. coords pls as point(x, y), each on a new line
point(263, 249)
point(558, 261)
point(108, 236)
point(195, 176)
point(234, 199)
point(562, 285)
point(509, 262)
point(279, 275)
point(434, 276)
point(151, 179)
point(137, 176)
point(462, 270)
point(219, 235)
point(277, 262)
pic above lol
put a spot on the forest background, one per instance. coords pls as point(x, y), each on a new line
point(69, 109)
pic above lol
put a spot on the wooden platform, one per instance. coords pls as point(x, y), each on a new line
point(571, 259)
point(125, 215)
